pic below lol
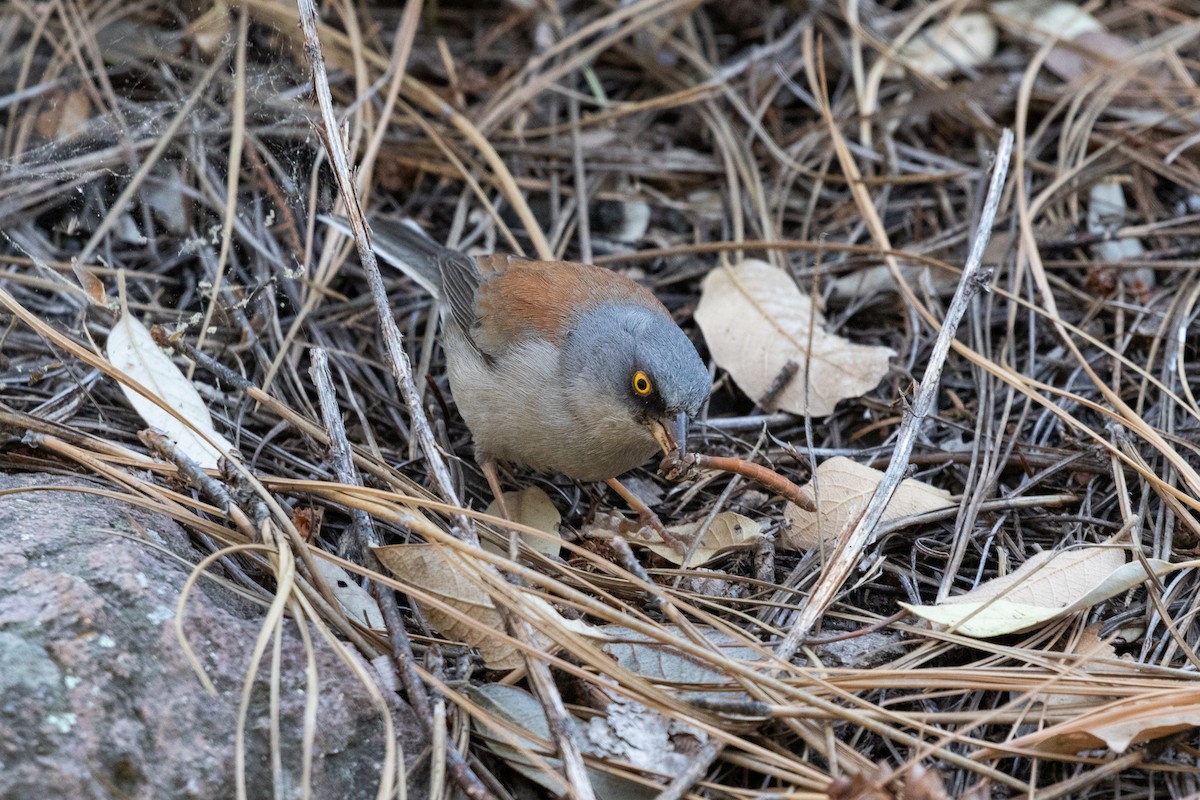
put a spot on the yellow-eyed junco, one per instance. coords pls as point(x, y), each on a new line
point(555, 365)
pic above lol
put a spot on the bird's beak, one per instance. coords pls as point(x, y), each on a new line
point(671, 433)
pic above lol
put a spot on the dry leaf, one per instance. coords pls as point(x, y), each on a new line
point(1039, 20)
point(1107, 211)
point(445, 574)
point(1119, 724)
point(846, 488)
point(1089, 648)
point(729, 531)
point(966, 40)
point(523, 712)
point(533, 508)
point(663, 662)
point(878, 280)
point(211, 29)
point(353, 598)
point(66, 115)
point(1046, 586)
point(131, 349)
point(756, 323)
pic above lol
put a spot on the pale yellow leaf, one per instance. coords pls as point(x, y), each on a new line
point(471, 617)
point(729, 531)
point(756, 323)
point(131, 349)
point(532, 508)
point(1046, 586)
point(846, 488)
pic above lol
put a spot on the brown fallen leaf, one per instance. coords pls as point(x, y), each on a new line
point(729, 531)
point(1119, 724)
point(533, 508)
point(468, 615)
point(757, 323)
point(881, 784)
point(65, 116)
point(845, 489)
point(1089, 648)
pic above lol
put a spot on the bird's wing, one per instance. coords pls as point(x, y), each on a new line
point(519, 299)
point(460, 288)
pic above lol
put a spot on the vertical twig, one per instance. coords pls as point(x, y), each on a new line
point(401, 369)
point(850, 547)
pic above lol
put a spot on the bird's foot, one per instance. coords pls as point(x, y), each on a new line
point(648, 529)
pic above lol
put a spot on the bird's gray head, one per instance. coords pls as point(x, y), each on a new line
point(641, 364)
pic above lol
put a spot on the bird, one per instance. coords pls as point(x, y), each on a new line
point(555, 365)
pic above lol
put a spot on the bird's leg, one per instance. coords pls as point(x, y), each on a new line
point(493, 478)
point(646, 515)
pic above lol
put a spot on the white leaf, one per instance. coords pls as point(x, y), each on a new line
point(944, 48)
point(1039, 20)
point(131, 350)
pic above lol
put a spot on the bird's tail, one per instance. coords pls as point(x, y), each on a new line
point(406, 247)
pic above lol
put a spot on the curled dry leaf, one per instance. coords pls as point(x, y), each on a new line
point(1082, 44)
point(878, 280)
point(470, 616)
point(845, 490)
point(1118, 725)
point(532, 508)
point(1107, 211)
point(131, 349)
point(757, 324)
point(1046, 586)
point(353, 598)
point(729, 531)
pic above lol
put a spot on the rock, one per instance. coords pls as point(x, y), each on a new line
point(96, 697)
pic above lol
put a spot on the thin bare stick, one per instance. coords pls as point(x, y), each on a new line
point(674, 466)
point(401, 369)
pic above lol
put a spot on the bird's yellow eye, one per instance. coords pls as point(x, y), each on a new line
point(641, 383)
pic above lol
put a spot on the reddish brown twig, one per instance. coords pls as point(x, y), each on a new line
point(676, 465)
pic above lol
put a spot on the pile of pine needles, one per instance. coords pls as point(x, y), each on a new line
point(177, 156)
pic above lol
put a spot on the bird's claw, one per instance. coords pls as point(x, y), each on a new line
point(637, 531)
